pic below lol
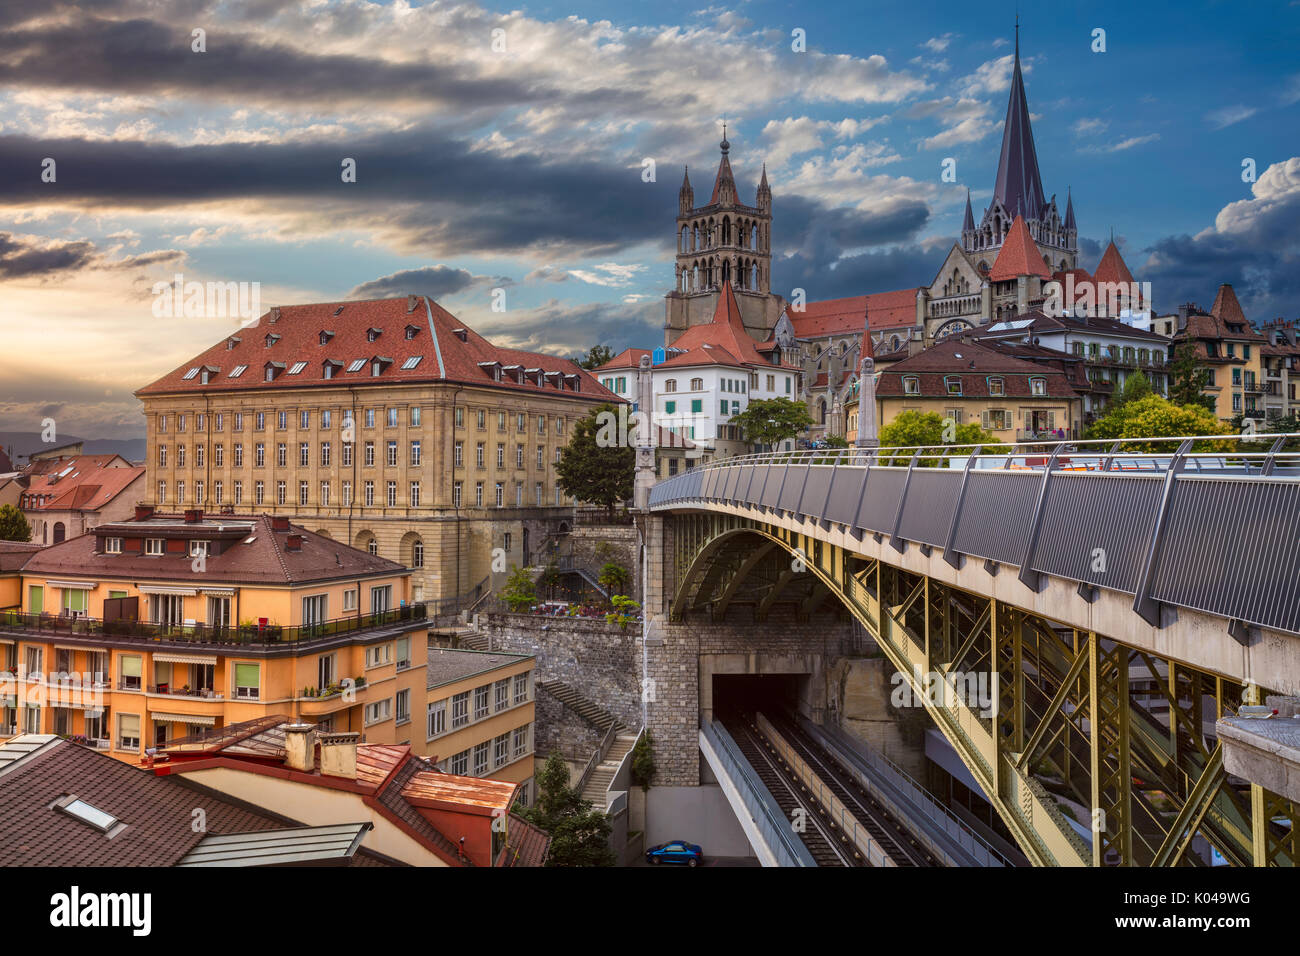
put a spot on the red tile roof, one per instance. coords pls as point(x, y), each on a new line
point(626, 359)
point(1019, 256)
point(339, 333)
point(1112, 267)
point(80, 483)
point(1227, 309)
point(526, 845)
point(722, 341)
point(256, 554)
point(882, 310)
point(972, 362)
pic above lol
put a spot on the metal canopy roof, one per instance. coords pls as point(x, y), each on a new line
point(333, 843)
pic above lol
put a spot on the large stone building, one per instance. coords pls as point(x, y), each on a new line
point(1227, 346)
point(386, 424)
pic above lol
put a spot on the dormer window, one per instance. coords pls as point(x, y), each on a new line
point(911, 385)
point(952, 384)
point(493, 370)
point(232, 342)
point(271, 339)
point(272, 370)
point(112, 545)
point(412, 331)
point(373, 333)
point(206, 373)
point(325, 336)
point(1038, 386)
point(329, 368)
point(460, 334)
point(378, 364)
point(996, 387)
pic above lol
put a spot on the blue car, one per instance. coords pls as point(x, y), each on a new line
point(675, 851)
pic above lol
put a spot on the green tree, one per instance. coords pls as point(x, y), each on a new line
point(625, 611)
point(598, 464)
point(770, 421)
point(596, 356)
point(613, 577)
point(643, 761)
point(837, 441)
point(519, 593)
point(910, 429)
point(1154, 417)
point(1187, 380)
point(13, 525)
point(1136, 386)
point(579, 833)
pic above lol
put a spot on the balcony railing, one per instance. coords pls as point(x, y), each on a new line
point(203, 693)
point(244, 635)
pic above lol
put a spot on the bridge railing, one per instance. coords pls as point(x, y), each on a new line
point(1201, 522)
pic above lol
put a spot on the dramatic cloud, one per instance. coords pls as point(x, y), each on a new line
point(28, 257)
point(433, 281)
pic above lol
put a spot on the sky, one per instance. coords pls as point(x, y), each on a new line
point(520, 164)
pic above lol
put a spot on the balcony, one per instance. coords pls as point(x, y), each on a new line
point(202, 693)
point(252, 636)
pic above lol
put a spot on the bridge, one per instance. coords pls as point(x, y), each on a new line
point(1122, 600)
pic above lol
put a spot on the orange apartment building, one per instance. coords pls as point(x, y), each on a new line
point(150, 630)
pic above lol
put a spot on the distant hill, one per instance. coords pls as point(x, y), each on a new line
point(24, 443)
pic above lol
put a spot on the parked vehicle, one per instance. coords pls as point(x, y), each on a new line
point(675, 851)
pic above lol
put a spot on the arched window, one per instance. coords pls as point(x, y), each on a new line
point(670, 385)
point(821, 411)
point(59, 532)
point(697, 385)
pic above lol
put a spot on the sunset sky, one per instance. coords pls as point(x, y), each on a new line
point(480, 169)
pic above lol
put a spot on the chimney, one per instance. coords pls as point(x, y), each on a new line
point(411, 302)
point(275, 314)
point(193, 515)
point(143, 511)
point(338, 754)
point(300, 747)
point(293, 542)
point(279, 524)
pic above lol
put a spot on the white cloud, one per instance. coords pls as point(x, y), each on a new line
point(1229, 115)
point(940, 43)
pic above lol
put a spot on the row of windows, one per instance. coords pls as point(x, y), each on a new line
point(1117, 353)
point(953, 384)
point(415, 454)
point(521, 421)
point(480, 455)
point(325, 416)
point(392, 495)
point(490, 755)
point(499, 500)
point(487, 699)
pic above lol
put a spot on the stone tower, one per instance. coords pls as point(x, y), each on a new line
point(723, 240)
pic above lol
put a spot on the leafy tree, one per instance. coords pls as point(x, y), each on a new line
point(596, 356)
point(1154, 417)
point(595, 466)
point(624, 613)
point(770, 421)
point(1187, 380)
point(519, 593)
point(837, 441)
point(549, 579)
point(13, 525)
point(613, 577)
point(643, 761)
point(912, 428)
point(1136, 386)
point(579, 833)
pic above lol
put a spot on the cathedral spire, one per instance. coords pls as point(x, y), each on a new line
point(1069, 210)
point(968, 224)
point(1019, 187)
point(724, 185)
point(686, 195)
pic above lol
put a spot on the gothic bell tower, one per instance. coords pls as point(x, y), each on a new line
point(720, 241)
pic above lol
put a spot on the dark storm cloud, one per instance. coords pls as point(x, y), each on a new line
point(560, 329)
point(22, 259)
point(434, 281)
point(145, 56)
point(1190, 269)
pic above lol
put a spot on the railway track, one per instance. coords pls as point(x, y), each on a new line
point(890, 835)
point(827, 843)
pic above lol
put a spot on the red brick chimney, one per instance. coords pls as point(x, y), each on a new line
point(193, 515)
point(293, 542)
point(143, 511)
point(279, 524)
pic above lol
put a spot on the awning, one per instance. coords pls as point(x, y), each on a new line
point(163, 589)
point(164, 658)
point(198, 719)
point(74, 585)
point(220, 592)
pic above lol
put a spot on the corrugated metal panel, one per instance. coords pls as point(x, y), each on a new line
point(931, 497)
point(1085, 512)
point(880, 506)
point(1233, 548)
point(996, 514)
point(846, 489)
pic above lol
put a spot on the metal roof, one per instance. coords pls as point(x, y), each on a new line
point(336, 842)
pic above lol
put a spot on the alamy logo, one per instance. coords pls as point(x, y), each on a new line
point(978, 691)
point(74, 909)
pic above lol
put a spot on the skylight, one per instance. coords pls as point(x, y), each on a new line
point(297, 367)
point(412, 362)
point(87, 813)
point(190, 374)
point(357, 365)
point(237, 371)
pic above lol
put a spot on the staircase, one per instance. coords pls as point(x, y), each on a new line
point(598, 782)
point(472, 640)
point(584, 707)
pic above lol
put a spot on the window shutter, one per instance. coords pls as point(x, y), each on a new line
point(985, 418)
point(247, 675)
point(130, 667)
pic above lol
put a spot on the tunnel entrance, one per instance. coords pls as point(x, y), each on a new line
point(735, 694)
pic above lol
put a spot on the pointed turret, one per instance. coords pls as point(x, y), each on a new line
point(1069, 212)
point(763, 199)
point(1112, 267)
point(1019, 187)
point(686, 195)
point(1019, 256)
point(1226, 308)
point(968, 224)
point(724, 185)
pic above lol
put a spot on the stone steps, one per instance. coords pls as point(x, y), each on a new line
point(583, 706)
